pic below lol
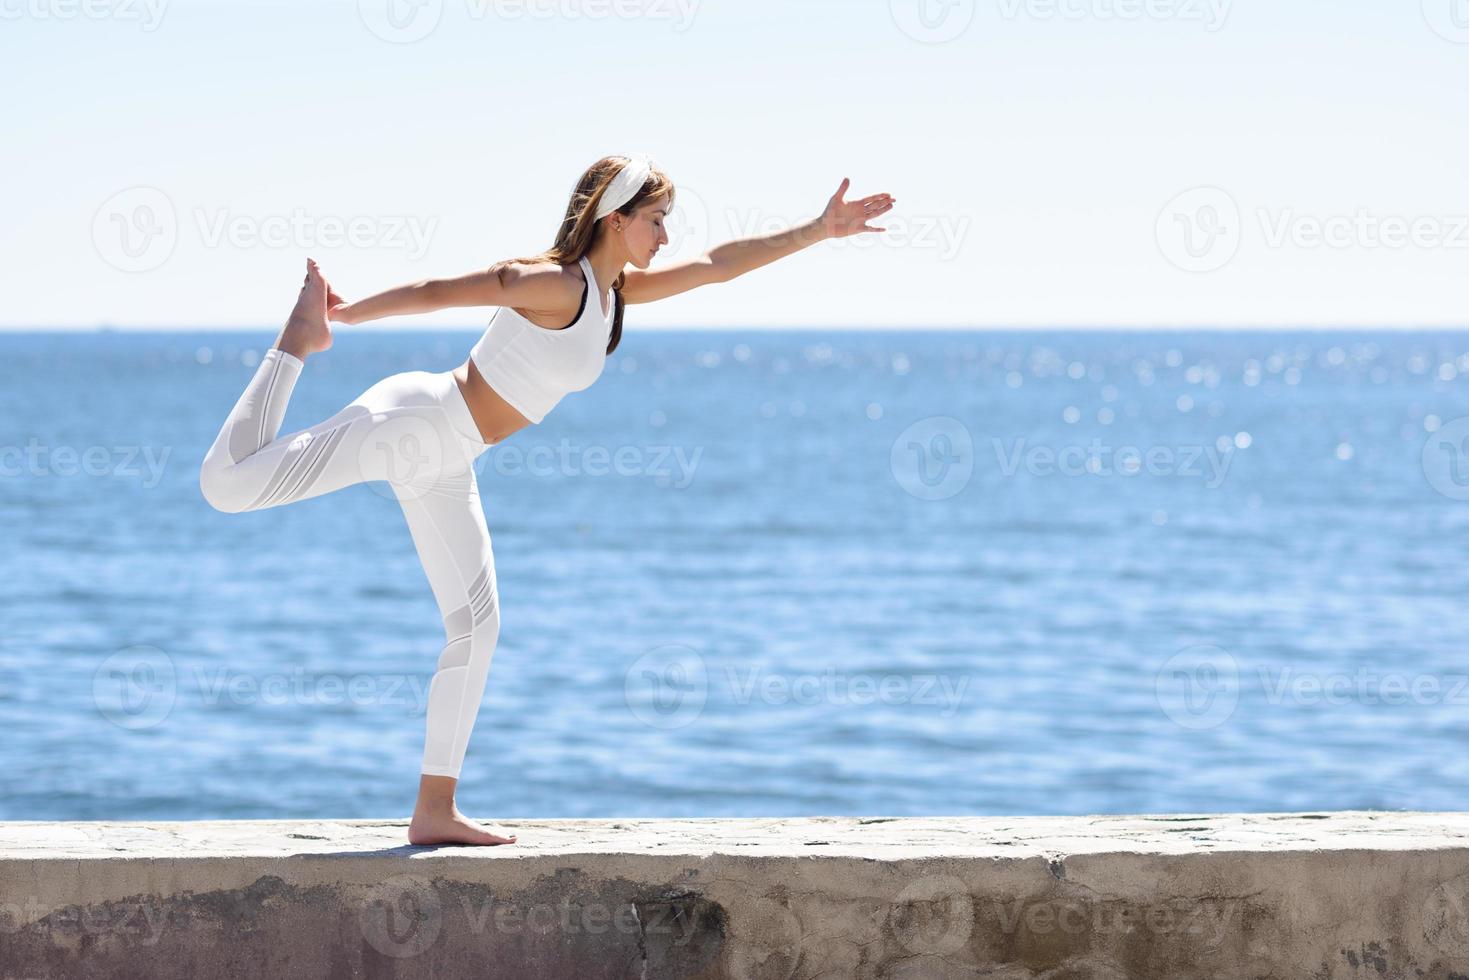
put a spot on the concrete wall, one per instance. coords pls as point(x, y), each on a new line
point(1368, 894)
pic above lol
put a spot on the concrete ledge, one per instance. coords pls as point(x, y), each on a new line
point(1359, 894)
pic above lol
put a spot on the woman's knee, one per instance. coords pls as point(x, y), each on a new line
point(483, 635)
point(218, 489)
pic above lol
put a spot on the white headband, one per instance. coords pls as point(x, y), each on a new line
point(626, 184)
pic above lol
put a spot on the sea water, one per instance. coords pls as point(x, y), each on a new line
point(763, 573)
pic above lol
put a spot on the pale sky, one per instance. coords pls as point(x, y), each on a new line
point(1057, 163)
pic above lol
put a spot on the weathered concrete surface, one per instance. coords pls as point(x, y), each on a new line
point(1361, 894)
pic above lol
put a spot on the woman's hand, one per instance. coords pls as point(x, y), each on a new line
point(843, 218)
point(336, 308)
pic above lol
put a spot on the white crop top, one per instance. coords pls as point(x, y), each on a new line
point(534, 367)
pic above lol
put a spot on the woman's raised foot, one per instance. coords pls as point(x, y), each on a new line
point(306, 330)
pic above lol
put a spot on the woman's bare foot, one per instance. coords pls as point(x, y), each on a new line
point(450, 827)
point(307, 331)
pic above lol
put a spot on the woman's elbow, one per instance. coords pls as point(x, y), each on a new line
point(434, 294)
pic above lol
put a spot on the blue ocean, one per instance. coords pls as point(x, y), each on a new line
point(757, 573)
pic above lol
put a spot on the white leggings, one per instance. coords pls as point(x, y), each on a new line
point(414, 431)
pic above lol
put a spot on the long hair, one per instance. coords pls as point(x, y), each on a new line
point(578, 230)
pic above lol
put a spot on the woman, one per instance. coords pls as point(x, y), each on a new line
point(421, 432)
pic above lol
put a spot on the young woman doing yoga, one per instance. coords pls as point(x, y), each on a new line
point(559, 317)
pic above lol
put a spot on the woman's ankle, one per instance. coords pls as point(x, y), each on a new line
point(291, 354)
point(435, 795)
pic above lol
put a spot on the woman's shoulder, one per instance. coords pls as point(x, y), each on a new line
point(544, 284)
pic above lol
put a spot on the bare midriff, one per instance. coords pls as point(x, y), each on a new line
point(495, 418)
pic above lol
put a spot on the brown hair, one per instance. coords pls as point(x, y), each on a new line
point(578, 230)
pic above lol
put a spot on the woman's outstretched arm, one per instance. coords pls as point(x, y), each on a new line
point(538, 288)
point(734, 259)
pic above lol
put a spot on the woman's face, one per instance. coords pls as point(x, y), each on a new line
point(644, 232)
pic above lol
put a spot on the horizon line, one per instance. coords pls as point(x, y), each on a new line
point(789, 328)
